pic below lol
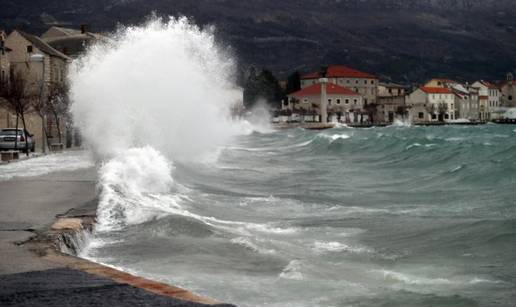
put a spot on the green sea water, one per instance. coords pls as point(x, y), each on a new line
point(394, 216)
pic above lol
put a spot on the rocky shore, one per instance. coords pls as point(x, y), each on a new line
point(40, 218)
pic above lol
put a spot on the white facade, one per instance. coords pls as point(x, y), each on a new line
point(489, 96)
point(429, 104)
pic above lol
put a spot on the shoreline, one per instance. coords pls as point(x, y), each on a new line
point(34, 244)
point(321, 126)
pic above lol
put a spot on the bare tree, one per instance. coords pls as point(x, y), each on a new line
point(58, 105)
point(442, 108)
point(18, 100)
point(431, 109)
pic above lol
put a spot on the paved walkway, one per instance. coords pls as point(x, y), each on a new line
point(28, 206)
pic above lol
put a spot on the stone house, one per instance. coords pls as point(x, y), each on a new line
point(71, 42)
point(467, 105)
point(391, 102)
point(489, 100)
point(4, 58)
point(431, 104)
point(344, 105)
point(41, 66)
point(363, 83)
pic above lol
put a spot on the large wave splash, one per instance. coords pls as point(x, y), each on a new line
point(152, 94)
point(168, 85)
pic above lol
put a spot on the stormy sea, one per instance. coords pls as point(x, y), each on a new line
point(233, 210)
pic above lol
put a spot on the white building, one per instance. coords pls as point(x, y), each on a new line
point(431, 104)
point(489, 99)
point(344, 105)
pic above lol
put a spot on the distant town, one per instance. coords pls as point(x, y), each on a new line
point(34, 97)
point(354, 97)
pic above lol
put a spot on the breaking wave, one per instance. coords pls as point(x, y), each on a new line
point(154, 104)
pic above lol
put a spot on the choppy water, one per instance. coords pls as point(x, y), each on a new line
point(396, 216)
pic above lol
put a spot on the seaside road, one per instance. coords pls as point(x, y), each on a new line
point(29, 206)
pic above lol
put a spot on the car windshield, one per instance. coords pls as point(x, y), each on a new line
point(10, 132)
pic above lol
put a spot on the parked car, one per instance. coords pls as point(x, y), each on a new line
point(14, 139)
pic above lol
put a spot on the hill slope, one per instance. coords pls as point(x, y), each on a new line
point(409, 40)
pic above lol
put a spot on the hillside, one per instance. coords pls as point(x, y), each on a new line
point(409, 40)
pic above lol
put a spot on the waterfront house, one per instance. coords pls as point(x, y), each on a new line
point(42, 67)
point(431, 104)
point(391, 102)
point(39, 63)
point(489, 100)
point(71, 42)
point(363, 83)
point(344, 104)
point(466, 101)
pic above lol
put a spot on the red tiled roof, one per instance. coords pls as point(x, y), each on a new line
point(436, 90)
point(339, 71)
point(331, 89)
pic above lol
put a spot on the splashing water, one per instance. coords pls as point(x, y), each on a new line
point(168, 85)
point(153, 93)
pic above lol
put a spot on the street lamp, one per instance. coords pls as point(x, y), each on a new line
point(38, 57)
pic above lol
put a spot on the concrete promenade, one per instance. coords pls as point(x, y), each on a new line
point(33, 273)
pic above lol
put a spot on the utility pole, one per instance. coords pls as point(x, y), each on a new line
point(41, 58)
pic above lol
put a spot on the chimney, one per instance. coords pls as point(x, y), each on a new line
point(510, 77)
point(84, 28)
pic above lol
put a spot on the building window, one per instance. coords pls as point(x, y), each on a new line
point(356, 81)
point(421, 115)
point(365, 82)
point(434, 116)
point(510, 97)
point(347, 101)
point(329, 101)
point(29, 49)
point(305, 100)
point(348, 81)
point(446, 116)
point(338, 100)
point(372, 81)
point(354, 101)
